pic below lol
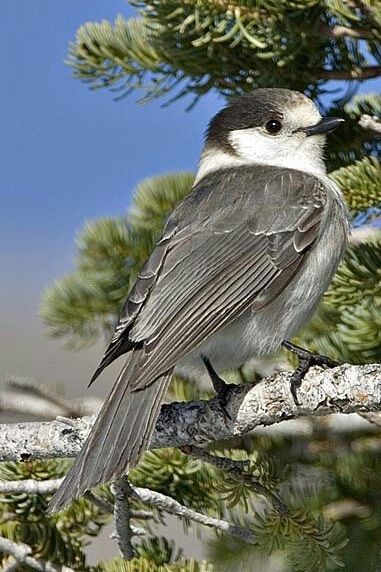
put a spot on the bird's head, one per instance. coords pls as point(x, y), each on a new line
point(271, 126)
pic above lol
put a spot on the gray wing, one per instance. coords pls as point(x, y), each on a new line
point(216, 268)
point(235, 242)
point(120, 342)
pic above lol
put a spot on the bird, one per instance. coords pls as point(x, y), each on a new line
point(240, 267)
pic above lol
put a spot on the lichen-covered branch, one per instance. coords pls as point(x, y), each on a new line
point(345, 389)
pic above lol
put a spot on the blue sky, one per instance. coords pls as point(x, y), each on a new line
point(67, 154)
point(70, 153)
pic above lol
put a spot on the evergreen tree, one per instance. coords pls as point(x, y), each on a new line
point(322, 490)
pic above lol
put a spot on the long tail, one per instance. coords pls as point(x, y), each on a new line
point(119, 436)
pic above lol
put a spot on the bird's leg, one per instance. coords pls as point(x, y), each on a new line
point(220, 386)
point(307, 359)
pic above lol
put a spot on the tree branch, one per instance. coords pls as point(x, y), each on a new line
point(359, 74)
point(346, 32)
point(345, 389)
point(26, 396)
point(123, 533)
point(158, 500)
point(170, 505)
point(30, 487)
point(108, 507)
point(22, 555)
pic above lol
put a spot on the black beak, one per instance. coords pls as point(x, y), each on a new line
point(325, 125)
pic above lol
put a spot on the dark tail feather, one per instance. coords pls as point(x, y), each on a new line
point(115, 350)
point(119, 436)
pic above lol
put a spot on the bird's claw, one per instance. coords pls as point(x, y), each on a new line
point(307, 359)
point(220, 386)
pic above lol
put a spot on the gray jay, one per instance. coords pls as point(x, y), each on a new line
point(240, 267)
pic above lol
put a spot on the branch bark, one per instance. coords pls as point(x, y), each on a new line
point(345, 389)
point(153, 498)
point(172, 506)
point(21, 554)
point(359, 74)
point(26, 396)
point(123, 533)
point(346, 32)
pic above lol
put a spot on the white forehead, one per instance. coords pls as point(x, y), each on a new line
point(302, 114)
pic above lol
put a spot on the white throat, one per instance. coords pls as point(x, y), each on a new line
point(253, 148)
point(214, 159)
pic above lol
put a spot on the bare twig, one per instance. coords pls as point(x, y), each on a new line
point(33, 388)
point(346, 32)
point(13, 401)
point(122, 491)
point(26, 396)
point(32, 487)
point(152, 498)
point(135, 530)
point(108, 507)
point(22, 555)
point(142, 514)
point(229, 465)
point(170, 505)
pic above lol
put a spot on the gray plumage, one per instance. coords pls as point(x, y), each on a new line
point(241, 265)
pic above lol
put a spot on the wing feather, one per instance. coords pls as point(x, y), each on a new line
point(213, 257)
point(214, 262)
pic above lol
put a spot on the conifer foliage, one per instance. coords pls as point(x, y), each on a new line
point(195, 46)
point(302, 498)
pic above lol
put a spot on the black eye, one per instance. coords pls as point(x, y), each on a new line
point(273, 126)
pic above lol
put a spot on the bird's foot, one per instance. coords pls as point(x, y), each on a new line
point(220, 386)
point(307, 359)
